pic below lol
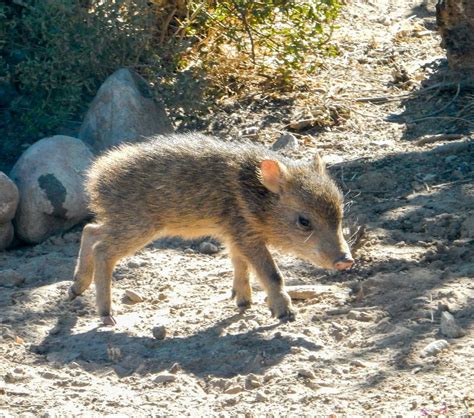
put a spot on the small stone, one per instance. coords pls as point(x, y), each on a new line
point(250, 132)
point(207, 247)
point(260, 397)
point(165, 378)
point(303, 292)
point(159, 332)
point(10, 278)
point(252, 382)
point(50, 375)
point(434, 348)
point(285, 141)
point(175, 368)
point(449, 327)
point(234, 389)
point(360, 316)
point(358, 363)
point(16, 375)
point(306, 373)
point(133, 264)
point(134, 296)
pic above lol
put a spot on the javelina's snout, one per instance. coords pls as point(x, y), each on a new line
point(344, 262)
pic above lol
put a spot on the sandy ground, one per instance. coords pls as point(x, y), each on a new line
point(357, 346)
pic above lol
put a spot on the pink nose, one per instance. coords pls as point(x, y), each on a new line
point(344, 262)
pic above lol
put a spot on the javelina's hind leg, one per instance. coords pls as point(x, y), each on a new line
point(85, 264)
point(115, 243)
point(104, 263)
point(241, 290)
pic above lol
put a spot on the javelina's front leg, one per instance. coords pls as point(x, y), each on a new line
point(269, 275)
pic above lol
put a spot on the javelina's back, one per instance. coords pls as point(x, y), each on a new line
point(179, 180)
point(192, 185)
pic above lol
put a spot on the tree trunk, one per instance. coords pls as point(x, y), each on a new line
point(455, 20)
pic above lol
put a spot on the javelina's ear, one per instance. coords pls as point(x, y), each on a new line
point(272, 175)
point(318, 164)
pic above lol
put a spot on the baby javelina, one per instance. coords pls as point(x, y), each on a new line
point(193, 186)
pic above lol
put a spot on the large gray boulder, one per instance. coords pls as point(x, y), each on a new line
point(50, 178)
point(6, 235)
point(123, 111)
point(9, 198)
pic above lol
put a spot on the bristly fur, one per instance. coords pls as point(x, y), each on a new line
point(192, 185)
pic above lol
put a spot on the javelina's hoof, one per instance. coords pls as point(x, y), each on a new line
point(288, 316)
point(280, 306)
point(71, 295)
point(243, 302)
point(108, 320)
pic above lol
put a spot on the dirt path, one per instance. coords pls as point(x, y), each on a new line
point(356, 347)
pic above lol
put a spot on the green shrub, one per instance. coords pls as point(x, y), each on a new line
point(54, 54)
point(58, 52)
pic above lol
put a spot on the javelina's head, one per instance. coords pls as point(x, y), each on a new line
point(306, 217)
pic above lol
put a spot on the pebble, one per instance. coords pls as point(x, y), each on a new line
point(360, 316)
point(434, 348)
point(15, 376)
point(10, 278)
point(306, 373)
point(449, 327)
point(159, 332)
point(175, 368)
point(207, 247)
point(260, 397)
point(134, 296)
point(165, 378)
point(285, 141)
point(252, 381)
point(250, 132)
point(304, 292)
point(233, 390)
point(50, 375)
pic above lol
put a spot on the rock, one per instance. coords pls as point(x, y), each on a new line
point(134, 296)
point(165, 378)
point(17, 375)
point(50, 375)
point(434, 348)
point(234, 389)
point(449, 327)
point(467, 227)
point(306, 373)
point(285, 141)
point(50, 178)
point(159, 332)
point(250, 132)
point(175, 368)
point(360, 316)
point(10, 278)
point(6, 235)
point(207, 247)
point(9, 198)
point(123, 110)
point(304, 292)
point(260, 397)
point(252, 381)
point(455, 20)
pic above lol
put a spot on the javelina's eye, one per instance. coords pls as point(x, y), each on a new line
point(303, 222)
